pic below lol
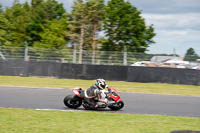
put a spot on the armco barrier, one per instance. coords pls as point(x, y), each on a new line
point(118, 73)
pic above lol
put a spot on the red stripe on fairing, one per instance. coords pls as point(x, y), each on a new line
point(116, 98)
point(75, 90)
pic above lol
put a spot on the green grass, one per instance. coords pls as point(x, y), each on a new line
point(187, 90)
point(32, 121)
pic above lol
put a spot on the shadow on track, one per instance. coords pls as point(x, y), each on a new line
point(94, 110)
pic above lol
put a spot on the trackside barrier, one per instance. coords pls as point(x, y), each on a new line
point(108, 72)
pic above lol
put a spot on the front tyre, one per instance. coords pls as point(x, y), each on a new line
point(72, 101)
point(117, 106)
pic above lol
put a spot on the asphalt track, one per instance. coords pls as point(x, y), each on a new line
point(136, 103)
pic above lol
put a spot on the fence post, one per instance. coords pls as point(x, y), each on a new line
point(125, 56)
point(74, 54)
point(26, 53)
point(2, 56)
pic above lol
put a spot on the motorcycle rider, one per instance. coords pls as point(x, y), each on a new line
point(96, 92)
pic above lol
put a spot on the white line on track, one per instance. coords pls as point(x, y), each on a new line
point(119, 92)
point(61, 110)
point(28, 87)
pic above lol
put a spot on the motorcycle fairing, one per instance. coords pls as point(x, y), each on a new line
point(77, 91)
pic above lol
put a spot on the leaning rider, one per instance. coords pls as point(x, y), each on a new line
point(96, 92)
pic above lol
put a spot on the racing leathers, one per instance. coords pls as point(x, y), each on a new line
point(94, 94)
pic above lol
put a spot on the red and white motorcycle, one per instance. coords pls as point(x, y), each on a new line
point(114, 101)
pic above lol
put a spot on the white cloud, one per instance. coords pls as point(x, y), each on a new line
point(167, 6)
point(181, 40)
point(179, 35)
point(187, 3)
point(175, 31)
point(163, 21)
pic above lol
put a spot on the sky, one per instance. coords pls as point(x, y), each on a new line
point(176, 23)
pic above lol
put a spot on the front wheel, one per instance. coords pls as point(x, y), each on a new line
point(117, 106)
point(72, 101)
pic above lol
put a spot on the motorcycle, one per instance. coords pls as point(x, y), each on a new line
point(114, 101)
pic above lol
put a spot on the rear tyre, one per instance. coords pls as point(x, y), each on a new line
point(72, 101)
point(117, 106)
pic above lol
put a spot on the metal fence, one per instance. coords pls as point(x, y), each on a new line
point(72, 55)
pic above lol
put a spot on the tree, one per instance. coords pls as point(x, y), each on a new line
point(124, 27)
point(86, 21)
point(4, 28)
point(95, 17)
point(191, 55)
point(79, 18)
point(15, 20)
point(26, 22)
point(53, 9)
point(41, 11)
point(54, 35)
point(1, 10)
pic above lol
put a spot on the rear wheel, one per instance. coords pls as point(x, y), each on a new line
point(117, 106)
point(72, 101)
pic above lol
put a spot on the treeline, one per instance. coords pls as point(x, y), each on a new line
point(91, 25)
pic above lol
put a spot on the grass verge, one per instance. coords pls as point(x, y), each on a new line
point(187, 90)
point(32, 121)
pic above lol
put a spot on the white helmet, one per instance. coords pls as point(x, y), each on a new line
point(101, 83)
